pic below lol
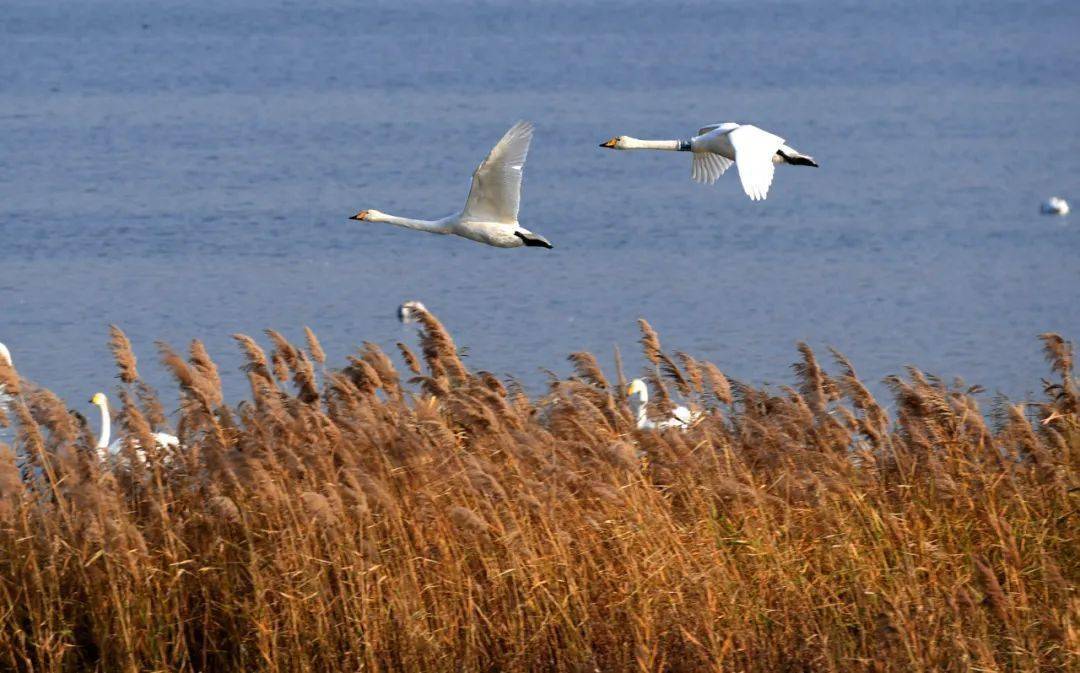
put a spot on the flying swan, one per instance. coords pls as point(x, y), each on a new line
point(681, 417)
point(104, 449)
point(491, 212)
point(717, 146)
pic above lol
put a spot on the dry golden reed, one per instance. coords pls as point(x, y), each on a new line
point(122, 352)
point(346, 520)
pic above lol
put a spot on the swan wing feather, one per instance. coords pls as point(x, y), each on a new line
point(686, 417)
point(165, 440)
point(726, 126)
point(708, 167)
point(754, 150)
point(496, 184)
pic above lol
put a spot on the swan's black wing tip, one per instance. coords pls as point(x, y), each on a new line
point(533, 240)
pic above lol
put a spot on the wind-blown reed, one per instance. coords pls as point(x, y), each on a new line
point(345, 520)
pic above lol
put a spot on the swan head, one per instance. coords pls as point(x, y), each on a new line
point(5, 355)
point(98, 400)
point(409, 311)
point(638, 387)
point(617, 143)
point(370, 215)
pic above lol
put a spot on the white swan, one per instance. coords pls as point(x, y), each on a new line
point(1055, 205)
point(681, 417)
point(104, 449)
point(406, 313)
point(717, 146)
point(5, 399)
point(491, 212)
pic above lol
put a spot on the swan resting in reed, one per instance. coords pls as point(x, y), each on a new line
point(490, 215)
point(407, 312)
point(5, 358)
point(716, 147)
point(681, 417)
point(1055, 205)
point(105, 449)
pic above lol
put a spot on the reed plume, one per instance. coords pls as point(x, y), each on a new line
point(122, 352)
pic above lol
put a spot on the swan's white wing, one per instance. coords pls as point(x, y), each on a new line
point(162, 439)
point(496, 184)
point(708, 167)
point(166, 440)
point(683, 415)
point(727, 126)
point(754, 150)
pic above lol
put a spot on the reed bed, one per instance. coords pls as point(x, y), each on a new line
point(359, 519)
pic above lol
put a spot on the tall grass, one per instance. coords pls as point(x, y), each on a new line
point(346, 520)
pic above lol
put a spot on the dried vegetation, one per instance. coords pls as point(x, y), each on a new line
point(346, 520)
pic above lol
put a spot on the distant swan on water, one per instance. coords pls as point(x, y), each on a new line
point(681, 417)
point(105, 449)
point(1055, 205)
point(717, 146)
point(490, 215)
point(407, 312)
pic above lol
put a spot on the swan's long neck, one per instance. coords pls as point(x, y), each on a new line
point(629, 143)
point(432, 226)
point(639, 402)
point(106, 427)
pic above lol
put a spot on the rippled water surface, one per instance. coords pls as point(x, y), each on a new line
point(186, 170)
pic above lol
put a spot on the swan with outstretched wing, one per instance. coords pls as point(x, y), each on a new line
point(490, 215)
point(716, 147)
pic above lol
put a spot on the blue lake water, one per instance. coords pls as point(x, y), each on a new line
point(186, 170)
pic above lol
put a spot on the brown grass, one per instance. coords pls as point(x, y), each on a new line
point(345, 520)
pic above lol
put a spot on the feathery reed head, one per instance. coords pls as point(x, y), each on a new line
point(123, 354)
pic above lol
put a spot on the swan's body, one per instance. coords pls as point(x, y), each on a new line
point(681, 417)
point(407, 312)
point(1055, 205)
point(5, 358)
point(105, 449)
point(5, 399)
point(490, 215)
point(716, 147)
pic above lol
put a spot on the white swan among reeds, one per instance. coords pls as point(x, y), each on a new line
point(5, 358)
point(681, 417)
point(490, 215)
point(407, 312)
point(105, 449)
point(717, 146)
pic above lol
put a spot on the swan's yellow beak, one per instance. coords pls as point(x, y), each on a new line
point(98, 399)
point(362, 215)
point(610, 143)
